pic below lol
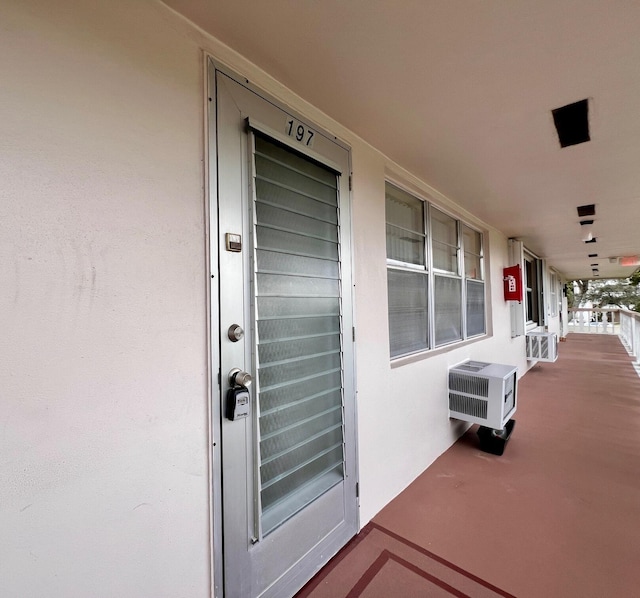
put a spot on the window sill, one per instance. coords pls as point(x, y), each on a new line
point(413, 357)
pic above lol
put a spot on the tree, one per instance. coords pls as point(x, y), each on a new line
point(621, 292)
point(575, 296)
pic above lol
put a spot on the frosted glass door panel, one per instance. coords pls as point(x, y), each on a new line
point(298, 331)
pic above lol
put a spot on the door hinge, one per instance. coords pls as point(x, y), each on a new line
point(357, 489)
point(350, 183)
point(353, 334)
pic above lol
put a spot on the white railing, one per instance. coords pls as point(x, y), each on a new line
point(630, 332)
point(623, 322)
point(593, 320)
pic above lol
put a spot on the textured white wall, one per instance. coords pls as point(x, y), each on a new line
point(103, 407)
point(103, 373)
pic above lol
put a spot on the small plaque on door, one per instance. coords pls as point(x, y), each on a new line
point(234, 242)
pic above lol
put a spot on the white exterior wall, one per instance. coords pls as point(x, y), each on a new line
point(103, 410)
point(104, 437)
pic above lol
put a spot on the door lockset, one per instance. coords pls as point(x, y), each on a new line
point(238, 397)
point(239, 378)
point(235, 333)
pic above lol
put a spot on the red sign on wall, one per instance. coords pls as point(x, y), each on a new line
point(513, 283)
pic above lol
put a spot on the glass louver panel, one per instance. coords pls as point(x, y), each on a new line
point(275, 195)
point(296, 223)
point(276, 263)
point(297, 244)
point(283, 285)
point(293, 392)
point(299, 351)
point(297, 327)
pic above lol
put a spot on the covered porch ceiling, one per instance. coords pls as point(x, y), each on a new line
point(460, 93)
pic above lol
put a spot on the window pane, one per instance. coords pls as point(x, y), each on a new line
point(531, 287)
point(445, 241)
point(475, 308)
point(554, 295)
point(403, 210)
point(472, 240)
point(405, 227)
point(448, 309)
point(408, 318)
point(472, 265)
point(405, 246)
point(445, 257)
point(443, 228)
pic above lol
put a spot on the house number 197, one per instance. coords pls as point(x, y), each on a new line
point(299, 132)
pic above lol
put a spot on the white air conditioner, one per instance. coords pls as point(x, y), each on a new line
point(542, 346)
point(483, 393)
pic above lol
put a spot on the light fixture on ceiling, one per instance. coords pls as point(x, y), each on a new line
point(586, 227)
point(630, 260)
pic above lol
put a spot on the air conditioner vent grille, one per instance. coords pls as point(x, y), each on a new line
point(542, 346)
point(473, 385)
point(468, 405)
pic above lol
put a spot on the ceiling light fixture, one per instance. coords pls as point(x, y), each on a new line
point(586, 227)
point(630, 260)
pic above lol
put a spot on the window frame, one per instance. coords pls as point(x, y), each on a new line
point(553, 293)
point(533, 299)
point(431, 273)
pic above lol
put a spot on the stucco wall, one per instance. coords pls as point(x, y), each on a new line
point(103, 408)
point(104, 456)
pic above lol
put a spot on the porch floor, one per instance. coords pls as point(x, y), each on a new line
point(558, 515)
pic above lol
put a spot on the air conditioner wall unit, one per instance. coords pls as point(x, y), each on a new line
point(483, 393)
point(542, 346)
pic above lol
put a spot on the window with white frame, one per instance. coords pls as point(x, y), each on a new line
point(474, 280)
point(435, 276)
point(553, 293)
point(532, 290)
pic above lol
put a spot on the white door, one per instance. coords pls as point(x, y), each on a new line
point(288, 470)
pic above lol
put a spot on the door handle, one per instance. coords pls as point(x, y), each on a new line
point(239, 378)
point(238, 398)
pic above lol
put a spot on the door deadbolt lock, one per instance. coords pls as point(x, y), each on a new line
point(239, 378)
point(235, 333)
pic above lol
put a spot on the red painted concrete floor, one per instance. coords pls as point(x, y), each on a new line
point(558, 515)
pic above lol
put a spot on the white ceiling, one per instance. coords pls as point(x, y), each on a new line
point(460, 93)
